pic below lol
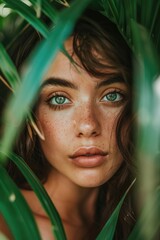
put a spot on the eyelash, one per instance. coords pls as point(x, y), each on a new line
point(63, 105)
point(122, 94)
point(57, 106)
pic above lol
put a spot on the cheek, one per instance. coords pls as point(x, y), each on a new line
point(109, 124)
point(55, 129)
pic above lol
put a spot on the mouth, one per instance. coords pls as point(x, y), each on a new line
point(88, 157)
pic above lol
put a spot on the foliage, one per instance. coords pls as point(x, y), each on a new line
point(11, 204)
point(139, 26)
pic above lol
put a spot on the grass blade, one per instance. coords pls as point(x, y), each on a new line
point(109, 229)
point(140, 227)
point(147, 106)
point(41, 61)
point(122, 13)
point(2, 237)
point(12, 205)
point(8, 68)
point(37, 5)
point(28, 14)
point(63, 2)
point(42, 195)
point(47, 8)
point(114, 10)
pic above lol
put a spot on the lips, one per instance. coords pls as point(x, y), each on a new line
point(88, 157)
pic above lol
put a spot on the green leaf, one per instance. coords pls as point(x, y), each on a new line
point(114, 9)
point(147, 13)
point(41, 61)
point(2, 237)
point(111, 10)
point(15, 210)
point(37, 5)
point(8, 69)
point(109, 228)
point(147, 107)
point(63, 2)
point(42, 195)
point(123, 12)
point(96, 5)
point(149, 70)
point(28, 14)
point(142, 229)
point(47, 8)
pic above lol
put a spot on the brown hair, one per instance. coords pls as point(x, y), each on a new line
point(95, 40)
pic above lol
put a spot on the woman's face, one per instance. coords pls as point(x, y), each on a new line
point(78, 114)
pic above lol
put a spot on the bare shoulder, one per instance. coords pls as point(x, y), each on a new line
point(4, 228)
point(39, 214)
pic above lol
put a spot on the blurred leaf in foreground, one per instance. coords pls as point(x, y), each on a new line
point(33, 76)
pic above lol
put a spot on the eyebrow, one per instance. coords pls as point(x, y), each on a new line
point(55, 81)
point(110, 80)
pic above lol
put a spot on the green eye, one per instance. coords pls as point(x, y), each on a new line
point(113, 97)
point(59, 100)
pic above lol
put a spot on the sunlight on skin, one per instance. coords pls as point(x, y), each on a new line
point(77, 114)
point(79, 121)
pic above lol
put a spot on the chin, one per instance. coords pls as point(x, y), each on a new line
point(92, 180)
point(91, 184)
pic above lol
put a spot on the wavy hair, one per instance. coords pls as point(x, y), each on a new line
point(100, 48)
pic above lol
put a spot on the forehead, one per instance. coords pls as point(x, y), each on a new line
point(66, 73)
point(63, 67)
point(61, 63)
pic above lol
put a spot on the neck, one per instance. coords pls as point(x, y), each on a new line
point(70, 199)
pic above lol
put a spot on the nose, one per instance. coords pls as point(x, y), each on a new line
point(87, 122)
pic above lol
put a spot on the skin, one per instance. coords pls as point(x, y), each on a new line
point(82, 116)
point(85, 119)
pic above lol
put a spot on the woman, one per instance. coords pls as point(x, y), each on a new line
point(84, 114)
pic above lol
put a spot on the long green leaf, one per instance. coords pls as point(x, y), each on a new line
point(8, 69)
point(28, 14)
point(37, 5)
point(144, 222)
point(33, 77)
point(2, 237)
point(63, 2)
point(15, 210)
point(114, 9)
point(107, 233)
point(154, 18)
point(47, 8)
point(122, 12)
point(42, 195)
point(147, 106)
point(145, 77)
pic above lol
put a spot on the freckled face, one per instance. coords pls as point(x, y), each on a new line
point(78, 115)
